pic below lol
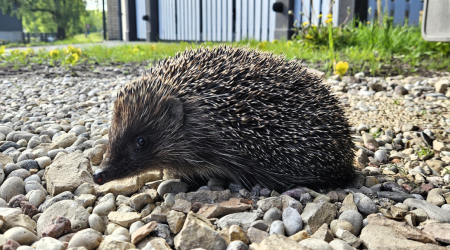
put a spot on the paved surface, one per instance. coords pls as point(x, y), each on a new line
point(79, 45)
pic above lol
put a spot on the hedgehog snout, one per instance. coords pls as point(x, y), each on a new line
point(99, 177)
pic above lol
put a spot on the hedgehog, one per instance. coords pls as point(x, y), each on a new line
point(230, 113)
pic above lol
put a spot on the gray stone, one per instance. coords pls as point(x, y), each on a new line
point(21, 173)
point(135, 226)
point(88, 238)
point(11, 187)
point(85, 188)
point(65, 140)
point(292, 221)
point(365, 204)
point(62, 196)
point(338, 244)
point(5, 130)
point(205, 196)
point(105, 206)
point(268, 203)
point(315, 214)
point(43, 161)
point(354, 218)
point(237, 245)
point(33, 177)
point(348, 237)
point(34, 185)
point(96, 223)
point(86, 200)
point(36, 197)
point(434, 212)
point(18, 135)
point(138, 201)
point(277, 227)
point(67, 173)
point(272, 214)
point(20, 235)
point(78, 216)
point(243, 220)
point(381, 156)
point(172, 186)
point(10, 167)
point(315, 244)
point(48, 243)
point(395, 196)
point(381, 237)
point(28, 164)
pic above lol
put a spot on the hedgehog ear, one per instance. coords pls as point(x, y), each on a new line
point(175, 108)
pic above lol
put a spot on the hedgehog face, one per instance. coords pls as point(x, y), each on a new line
point(141, 141)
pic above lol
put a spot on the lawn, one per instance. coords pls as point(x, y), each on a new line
point(80, 38)
point(370, 48)
point(76, 39)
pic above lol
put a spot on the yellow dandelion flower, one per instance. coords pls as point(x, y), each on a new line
point(305, 23)
point(275, 41)
point(71, 49)
point(136, 50)
point(368, 22)
point(329, 16)
point(2, 50)
point(262, 45)
point(320, 15)
point(15, 52)
point(153, 47)
point(329, 20)
point(30, 51)
point(54, 53)
point(79, 52)
point(341, 68)
point(72, 58)
point(308, 37)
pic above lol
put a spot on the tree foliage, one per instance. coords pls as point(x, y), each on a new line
point(62, 16)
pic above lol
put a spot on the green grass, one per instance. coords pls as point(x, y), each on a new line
point(80, 38)
point(376, 50)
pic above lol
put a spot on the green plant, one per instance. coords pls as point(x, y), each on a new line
point(447, 170)
point(425, 151)
point(376, 135)
point(400, 169)
point(396, 102)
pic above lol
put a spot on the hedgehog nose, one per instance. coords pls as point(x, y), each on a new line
point(99, 177)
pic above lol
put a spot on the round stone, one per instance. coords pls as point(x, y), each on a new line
point(272, 214)
point(96, 223)
point(50, 243)
point(354, 218)
point(21, 173)
point(340, 224)
point(11, 187)
point(172, 186)
point(292, 221)
point(21, 235)
point(88, 238)
point(36, 197)
point(277, 227)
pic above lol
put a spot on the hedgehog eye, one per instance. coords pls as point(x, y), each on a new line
point(141, 142)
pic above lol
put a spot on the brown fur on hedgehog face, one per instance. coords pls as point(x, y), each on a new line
point(144, 144)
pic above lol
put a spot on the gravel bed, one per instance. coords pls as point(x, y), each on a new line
point(54, 133)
